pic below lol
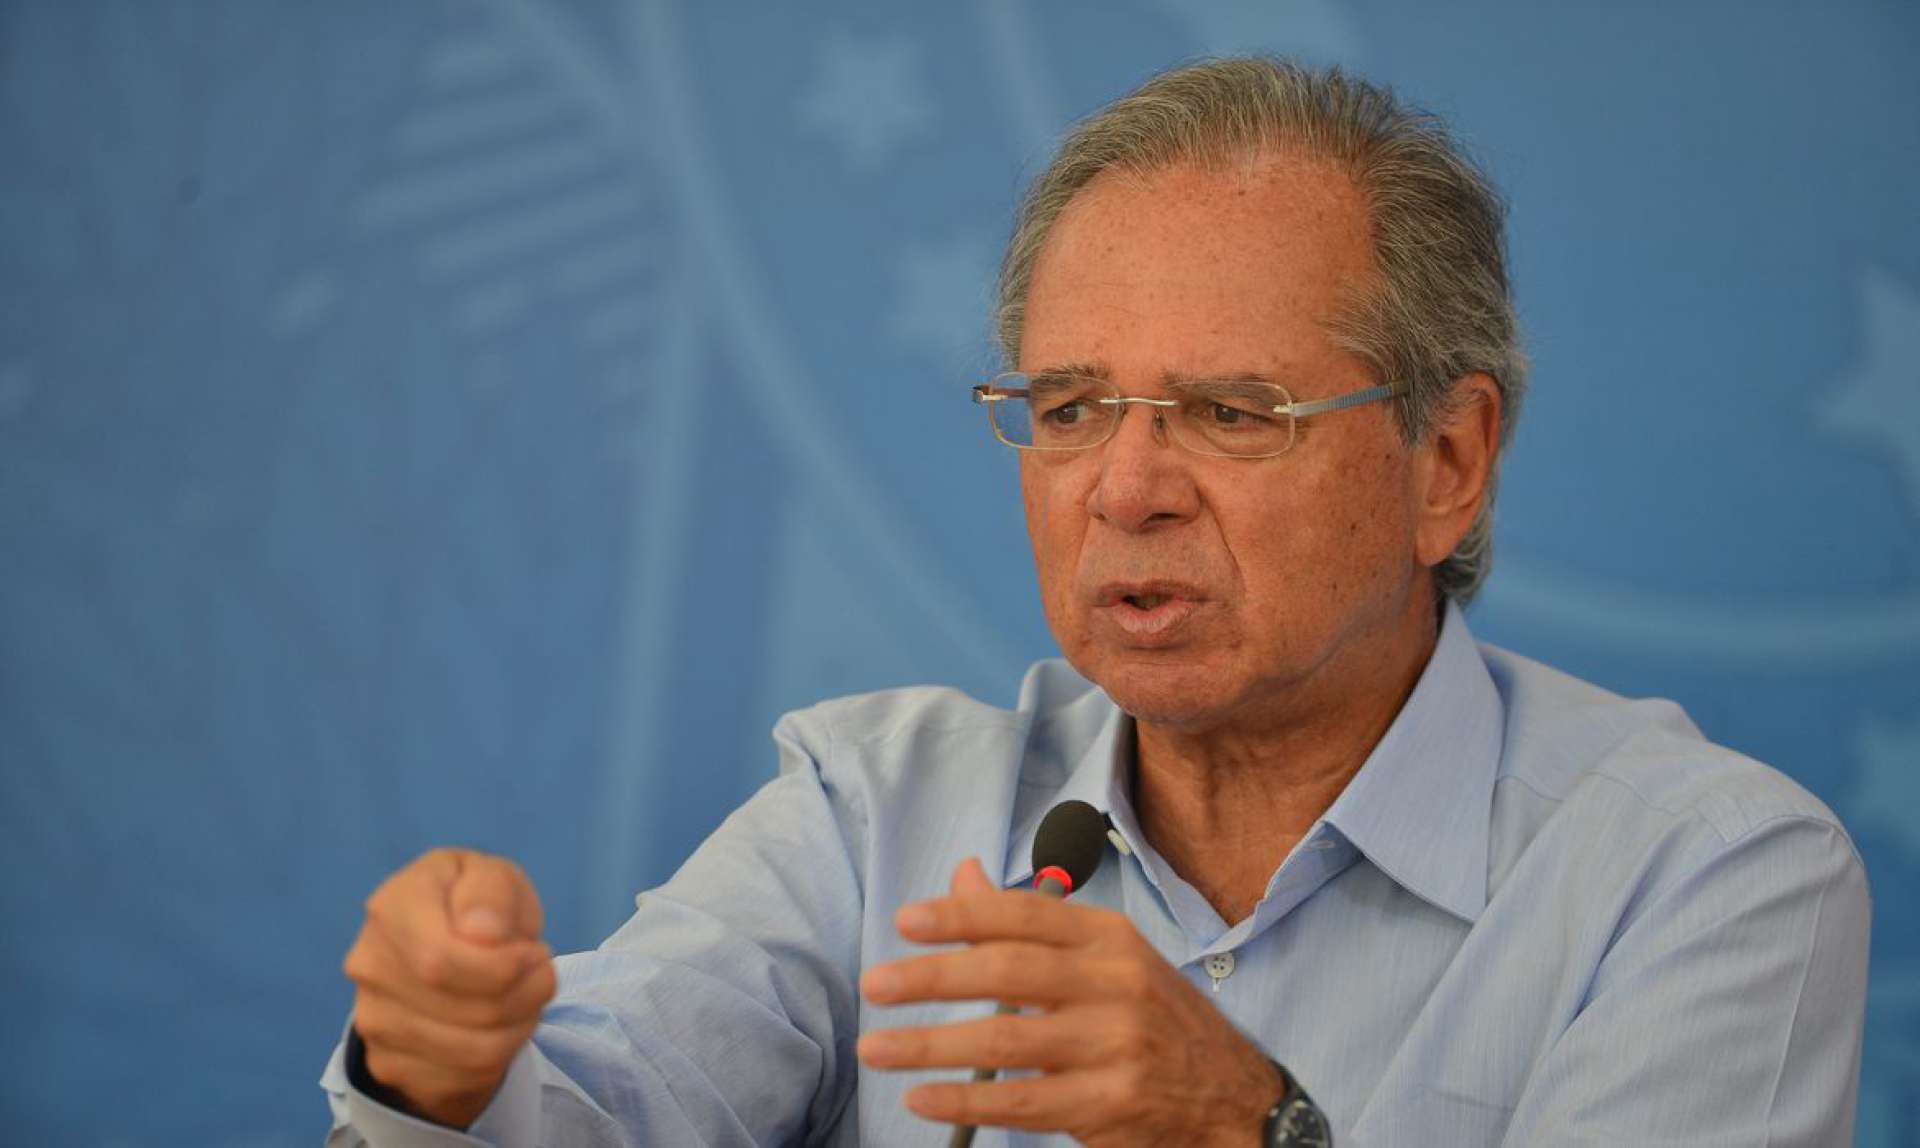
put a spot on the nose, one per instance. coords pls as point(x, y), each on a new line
point(1143, 481)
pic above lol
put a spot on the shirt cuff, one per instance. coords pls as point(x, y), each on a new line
point(510, 1120)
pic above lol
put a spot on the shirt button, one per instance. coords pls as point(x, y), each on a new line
point(1219, 966)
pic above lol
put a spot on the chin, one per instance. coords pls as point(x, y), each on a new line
point(1164, 694)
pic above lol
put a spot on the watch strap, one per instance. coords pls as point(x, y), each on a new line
point(1274, 1131)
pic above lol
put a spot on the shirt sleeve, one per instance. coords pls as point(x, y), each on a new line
point(1728, 1012)
point(722, 1013)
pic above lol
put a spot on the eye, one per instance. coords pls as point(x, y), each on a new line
point(1063, 412)
point(1230, 408)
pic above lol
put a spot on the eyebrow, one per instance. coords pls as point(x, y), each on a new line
point(1095, 369)
point(1089, 370)
point(1172, 378)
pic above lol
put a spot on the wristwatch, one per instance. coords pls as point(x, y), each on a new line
point(1294, 1121)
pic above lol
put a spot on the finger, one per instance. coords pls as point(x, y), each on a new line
point(386, 974)
point(413, 957)
point(412, 903)
point(1055, 1102)
point(1012, 915)
point(1014, 972)
point(492, 900)
point(970, 877)
point(458, 1050)
point(1050, 1042)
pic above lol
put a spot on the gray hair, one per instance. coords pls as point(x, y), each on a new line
point(1442, 306)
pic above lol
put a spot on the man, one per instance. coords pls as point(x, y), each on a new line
point(1431, 892)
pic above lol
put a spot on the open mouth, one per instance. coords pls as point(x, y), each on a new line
point(1149, 618)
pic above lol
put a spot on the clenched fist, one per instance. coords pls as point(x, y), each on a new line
point(450, 977)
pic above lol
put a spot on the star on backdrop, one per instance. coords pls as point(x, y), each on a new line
point(941, 294)
point(866, 97)
point(1886, 782)
point(1878, 401)
point(304, 306)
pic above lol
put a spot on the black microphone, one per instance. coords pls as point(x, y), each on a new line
point(1066, 851)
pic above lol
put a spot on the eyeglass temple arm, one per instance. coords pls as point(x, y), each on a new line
point(1342, 402)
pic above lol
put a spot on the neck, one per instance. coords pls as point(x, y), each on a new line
point(1225, 804)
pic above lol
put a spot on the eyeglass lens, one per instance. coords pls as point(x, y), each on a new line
point(1070, 412)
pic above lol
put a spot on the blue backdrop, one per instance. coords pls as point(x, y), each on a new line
point(475, 421)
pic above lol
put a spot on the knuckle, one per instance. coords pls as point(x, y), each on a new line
point(962, 1102)
point(1128, 1041)
point(499, 1047)
point(371, 1026)
point(1002, 964)
point(473, 1053)
point(1135, 1076)
point(374, 1023)
point(912, 1042)
point(433, 965)
point(1019, 1101)
point(485, 868)
point(498, 973)
point(385, 1068)
point(1104, 1091)
point(357, 961)
point(489, 1012)
point(1002, 1041)
point(1134, 978)
point(1031, 912)
point(546, 981)
point(1132, 1031)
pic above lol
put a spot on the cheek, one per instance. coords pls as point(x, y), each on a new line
point(1053, 528)
point(1328, 537)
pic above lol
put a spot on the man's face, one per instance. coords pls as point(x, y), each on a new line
point(1204, 591)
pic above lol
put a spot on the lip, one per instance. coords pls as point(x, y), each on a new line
point(1159, 625)
point(1116, 593)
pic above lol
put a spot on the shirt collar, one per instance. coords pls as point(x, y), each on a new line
point(1098, 778)
point(1419, 808)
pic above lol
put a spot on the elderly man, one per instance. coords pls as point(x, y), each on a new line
point(1369, 882)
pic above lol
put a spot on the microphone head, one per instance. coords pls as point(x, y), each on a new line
point(1072, 836)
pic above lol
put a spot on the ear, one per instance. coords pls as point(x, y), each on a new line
point(1454, 467)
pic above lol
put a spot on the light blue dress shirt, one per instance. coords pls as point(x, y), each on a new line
point(1539, 915)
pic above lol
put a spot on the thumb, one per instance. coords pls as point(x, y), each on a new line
point(492, 901)
point(970, 877)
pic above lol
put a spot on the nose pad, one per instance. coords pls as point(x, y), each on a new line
point(1139, 484)
point(1161, 432)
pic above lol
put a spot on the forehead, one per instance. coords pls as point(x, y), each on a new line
point(1246, 260)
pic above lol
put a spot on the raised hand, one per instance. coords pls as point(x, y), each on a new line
point(450, 977)
point(1129, 1052)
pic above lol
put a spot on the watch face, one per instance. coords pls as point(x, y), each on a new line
point(1301, 1126)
